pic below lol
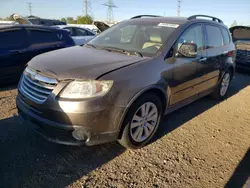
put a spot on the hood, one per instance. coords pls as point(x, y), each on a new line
point(80, 62)
point(101, 25)
point(19, 19)
point(240, 33)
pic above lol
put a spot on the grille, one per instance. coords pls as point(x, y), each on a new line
point(35, 86)
point(243, 55)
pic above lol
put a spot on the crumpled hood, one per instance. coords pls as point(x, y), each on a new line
point(80, 62)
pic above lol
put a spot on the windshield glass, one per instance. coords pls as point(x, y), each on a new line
point(137, 36)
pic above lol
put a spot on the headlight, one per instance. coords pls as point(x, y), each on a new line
point(86, 89)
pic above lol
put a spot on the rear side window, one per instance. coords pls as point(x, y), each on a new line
point(225, 35)
point(90, 34)
point(14, 38)
point(44, 36)
point(214, 36)
point(81, 32)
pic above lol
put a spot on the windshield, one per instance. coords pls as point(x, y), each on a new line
point(137, 36)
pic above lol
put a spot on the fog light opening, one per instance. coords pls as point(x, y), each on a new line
point(79, 135)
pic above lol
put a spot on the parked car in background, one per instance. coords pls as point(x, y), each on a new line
point(20, 43)
point(241, 38)
point(120, 84)
point(79, 35)
point(101, 26)
point(46, 22)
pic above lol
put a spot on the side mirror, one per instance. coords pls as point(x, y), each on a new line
point(188, 50)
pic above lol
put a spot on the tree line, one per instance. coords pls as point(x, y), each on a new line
point(79, 20)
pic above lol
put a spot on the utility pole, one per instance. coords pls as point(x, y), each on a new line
point(86, 7)
point(179, 8)
point(110, 16)
point(30, 7)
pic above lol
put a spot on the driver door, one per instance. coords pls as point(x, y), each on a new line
point(185, 77)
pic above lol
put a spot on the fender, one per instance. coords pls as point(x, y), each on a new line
point(137, 95)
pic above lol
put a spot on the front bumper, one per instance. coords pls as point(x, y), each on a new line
point(57, 123)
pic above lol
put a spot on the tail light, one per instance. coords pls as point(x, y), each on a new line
point(229, 54)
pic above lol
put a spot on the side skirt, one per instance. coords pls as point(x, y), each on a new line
point(189, 100)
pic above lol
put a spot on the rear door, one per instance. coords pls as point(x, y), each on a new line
point(209, 67)
point(228, 49)
point(13, 52)
point(185, 77)
point(43, 40)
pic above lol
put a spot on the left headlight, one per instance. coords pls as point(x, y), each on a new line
point(86, 89)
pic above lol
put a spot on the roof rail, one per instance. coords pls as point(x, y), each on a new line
point(140, 16)
point(206, 16)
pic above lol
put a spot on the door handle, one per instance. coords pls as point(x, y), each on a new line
point(202, 59)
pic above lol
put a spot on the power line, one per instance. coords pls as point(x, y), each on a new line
point(30, 7)
point(179, 8)
point(110, 16)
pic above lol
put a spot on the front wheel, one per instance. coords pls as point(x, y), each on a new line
point(141, 121)
point(222, 89)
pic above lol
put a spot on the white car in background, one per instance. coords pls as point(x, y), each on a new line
point(79, 35)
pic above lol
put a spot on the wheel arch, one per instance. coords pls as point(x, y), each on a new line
point(231, 69)
point(151, 89)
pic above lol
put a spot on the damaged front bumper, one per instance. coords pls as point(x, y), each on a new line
point(93, 130)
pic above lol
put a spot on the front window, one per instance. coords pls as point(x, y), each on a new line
point(193, 34)
point(145, 38)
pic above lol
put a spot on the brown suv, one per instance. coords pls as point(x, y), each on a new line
point(120, 84)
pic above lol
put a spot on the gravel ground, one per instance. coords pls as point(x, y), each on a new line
point(205, 144)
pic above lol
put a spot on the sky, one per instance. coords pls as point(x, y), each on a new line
point(227, 10)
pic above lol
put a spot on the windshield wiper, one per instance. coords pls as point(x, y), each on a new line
point(114, 49)
point(139, 54)
point(91, 45)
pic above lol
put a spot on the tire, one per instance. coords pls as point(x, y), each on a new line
point(138, 131)
point(226, 79)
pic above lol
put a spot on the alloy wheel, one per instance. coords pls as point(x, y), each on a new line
point(225, 84)
point(144, 122)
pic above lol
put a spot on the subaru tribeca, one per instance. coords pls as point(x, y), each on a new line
point(120, 84)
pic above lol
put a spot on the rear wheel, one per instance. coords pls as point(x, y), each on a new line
point(222, 89)
point(141, 121)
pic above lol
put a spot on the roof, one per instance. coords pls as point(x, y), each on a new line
point(32, 17)
point(64, 26)
point(30, 26)
point(177, 20)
